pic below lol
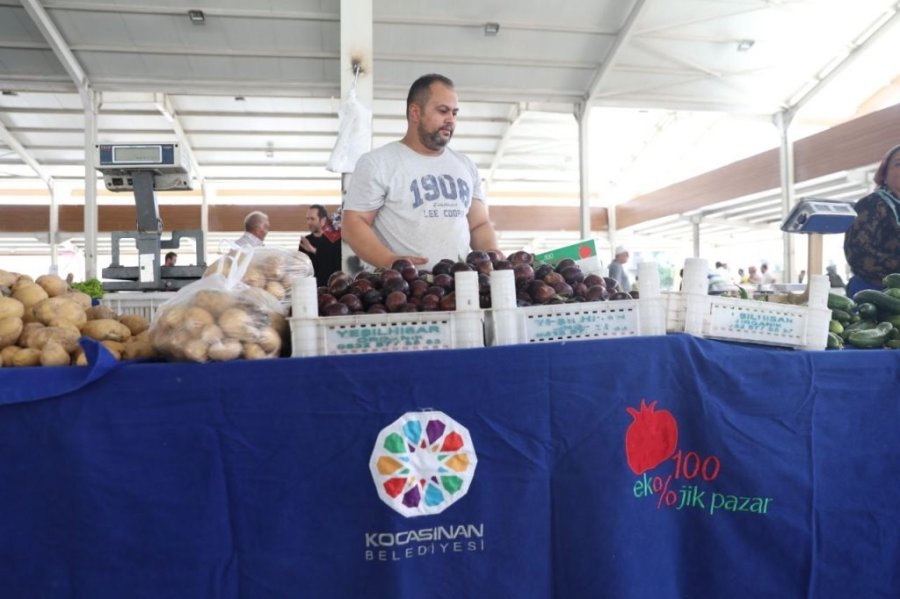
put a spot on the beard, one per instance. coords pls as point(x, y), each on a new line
point(433, 140)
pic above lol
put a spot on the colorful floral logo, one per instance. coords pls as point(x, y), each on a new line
point(422, 463)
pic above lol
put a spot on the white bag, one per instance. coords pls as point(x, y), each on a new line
point(354, 135)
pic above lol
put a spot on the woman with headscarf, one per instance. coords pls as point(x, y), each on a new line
point(872, 243)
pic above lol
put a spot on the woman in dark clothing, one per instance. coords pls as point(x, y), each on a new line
point(872, 243)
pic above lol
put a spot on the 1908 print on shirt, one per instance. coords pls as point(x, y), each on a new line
point(430, 188)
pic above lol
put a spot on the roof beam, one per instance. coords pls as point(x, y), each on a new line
point(622, 38)
point(24, 154)
point(164, 105)
point(59, 46)
point(515, 113)
point(837, 64)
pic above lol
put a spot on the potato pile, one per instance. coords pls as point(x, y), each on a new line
point(42, 320)
point(271, 269)
point(208, 322)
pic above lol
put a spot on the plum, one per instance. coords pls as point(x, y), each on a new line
point(503, 265)
point(417, 288)
point(564, 264)
point(339, 286)
point(594, 279)
point(620, 295)
point(410, 273)
point(394, 284)
point(446, 281)
point(325, 300)
point(448, 302)
point(337, 309)
point(542, 271)
point(394, 300)
point(377, 309)
point(563, 289)
point(352, 301)
point(523, 274)
point(552, 278)
point(475, 257)
point(372, 297)
point(436, 290)
point(460, 266)
point(572, 274)
point(597, 293)
point(542, 293)
point(430, 303)
point(401, 263)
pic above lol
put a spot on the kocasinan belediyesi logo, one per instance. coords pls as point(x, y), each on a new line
point(421, 464)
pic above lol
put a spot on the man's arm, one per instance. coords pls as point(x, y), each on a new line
point(481, 231)
point(356, 228)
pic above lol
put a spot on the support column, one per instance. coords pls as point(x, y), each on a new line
point(582, 117)
point(786, 167)
point(209, 196)
point(53, 240)
point(91, 221)
point(695, 235)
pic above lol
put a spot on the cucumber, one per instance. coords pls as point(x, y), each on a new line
point(841, 316)
point(861, 325)
point(834, 342)
point(893, 344)
point(871, 338)
point(882, 300)
point(892, 280)
point(894, 320)
point(867, 311)
point(840, 302)
point(893, 292)
point(835, 327)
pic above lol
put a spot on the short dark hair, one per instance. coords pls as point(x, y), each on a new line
point(171, 255)
point(320, 209)
point(420, 90)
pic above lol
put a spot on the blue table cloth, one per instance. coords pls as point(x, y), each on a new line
point(641, 467)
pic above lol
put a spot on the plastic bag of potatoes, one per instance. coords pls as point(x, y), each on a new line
point(220, 318)
point(271, 269)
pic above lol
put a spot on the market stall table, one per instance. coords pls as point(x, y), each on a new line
point(640, 467)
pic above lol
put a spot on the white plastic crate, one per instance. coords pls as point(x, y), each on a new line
point(136, 302)
point(312, 335)
point(751, 321)
point(508, 324)
point(676, 307)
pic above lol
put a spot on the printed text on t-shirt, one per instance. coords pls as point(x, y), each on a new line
point(430, 188)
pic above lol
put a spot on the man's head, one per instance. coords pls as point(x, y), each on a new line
point(431, 108)
point(763, 267)
point(171, 259)
point(888, 173)
point(316, 217)
point(257, 223)
point(751, 270)
point(621, 254)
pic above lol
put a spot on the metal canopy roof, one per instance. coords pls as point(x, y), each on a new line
point(678, 87)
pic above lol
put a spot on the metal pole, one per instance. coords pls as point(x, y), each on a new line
point(582, 117)
point(786, 167)
point(89, 100)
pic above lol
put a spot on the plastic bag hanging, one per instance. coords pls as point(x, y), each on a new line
point(354, 135)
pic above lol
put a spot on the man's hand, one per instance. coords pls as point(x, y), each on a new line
point(307, 246)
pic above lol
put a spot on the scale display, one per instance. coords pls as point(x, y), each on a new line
point(138, 155)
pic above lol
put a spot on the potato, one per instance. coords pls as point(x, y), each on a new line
point(270, 341)
point(213, 301)
point(136, 348)
point(171, 317)
point(27, 357)
point(136, 323)
point(229, 349)
point(7, 353)
point(195, 319)
point(115, 347)
point(52, 284)
point(53, 354)
point(65, 337)
point(212, 334)
point(276, 289)
point(60, 308)
point(237, 323)
point(11, 307)
point(80, 297)
point(252, 351)
point(196, 350)
point(79, 359)
point(10, 329)
point(21, 281)
point(29, 315)
point(101, 311)
point(29, 294)
point(27, 331)
point(254, 278)
point(8, 279)
point(106, 328)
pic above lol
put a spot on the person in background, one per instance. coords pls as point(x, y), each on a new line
point(324, 253)
point(801, 276)
point(742, 276)
point(171, 259)
point(753, 277)
point(834, 279)
point(765, 276)
point(417, 198)
point(617, 268)
point(256, 227)
point(872, 243)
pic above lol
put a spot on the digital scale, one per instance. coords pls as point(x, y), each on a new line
point(145, 169)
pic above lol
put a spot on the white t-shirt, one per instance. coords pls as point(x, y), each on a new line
point(422, 201)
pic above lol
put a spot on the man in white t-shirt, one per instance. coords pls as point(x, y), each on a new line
point(417, 198)
point(256, 227)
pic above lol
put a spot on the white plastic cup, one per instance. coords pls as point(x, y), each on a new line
point(695, 276)
point(304, 300)
point(467, 290)
point(648, 280)
point(503, 289)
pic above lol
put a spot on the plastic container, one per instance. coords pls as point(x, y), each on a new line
point(508, 324)
point(136, 302)
point(750, 321)
point(312, 335)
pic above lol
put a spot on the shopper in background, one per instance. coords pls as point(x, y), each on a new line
point(324, 250)
point(834, 279)
point(801, 277)
point(753, 277)
point(417, 198)
point(617, 268)
point(872, 243)
point(256, 227)
point(171, 259)
point(765, 276)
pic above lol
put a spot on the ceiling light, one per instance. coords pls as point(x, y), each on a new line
point(239, 99)
point(197, 17)
point(745, 45)
point(491, 29)
point(9, 92)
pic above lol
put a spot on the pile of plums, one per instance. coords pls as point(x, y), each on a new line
point(404, 288)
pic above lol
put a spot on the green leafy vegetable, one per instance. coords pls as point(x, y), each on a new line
point(92, 287)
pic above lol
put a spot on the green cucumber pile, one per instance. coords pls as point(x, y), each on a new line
point(870, 320)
